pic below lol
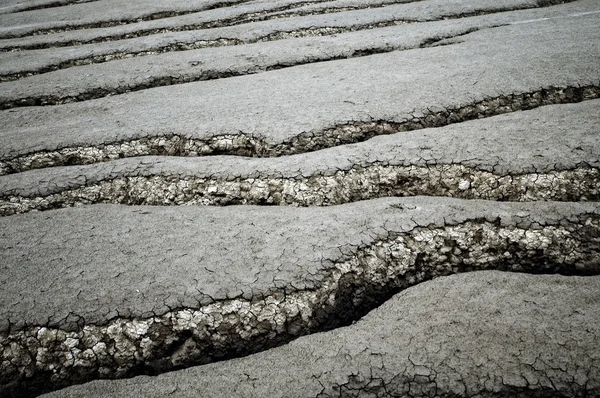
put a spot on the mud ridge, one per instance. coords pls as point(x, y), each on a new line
point(107, 24)
point(290, 12)
point(39, 358)
point(98, 93)
point(308, 32)
point(58, 3)
point(204, 75)
point(341, 134)
point(347, 186)
point(317, 31)
point(161, 81)
point(169, 14)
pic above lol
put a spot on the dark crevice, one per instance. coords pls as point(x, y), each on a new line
point(319, 189)
point(107, 24)
point(242, 19)
point(369, 277)
point(54, 4)
point(160, 15)
point(341, 134)
point(258, 17)
point(440, 40)
point(203, 75)
point(111, 57)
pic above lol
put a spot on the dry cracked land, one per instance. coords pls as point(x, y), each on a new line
point(300, 198)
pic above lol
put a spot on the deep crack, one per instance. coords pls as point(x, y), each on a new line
point(245, 145)
point(107, 24)
point(98, 93)
point(353, 185)
point(311, 31)
point(244, 18)
point(39, 358)
point(203, 74)
point(54, 4)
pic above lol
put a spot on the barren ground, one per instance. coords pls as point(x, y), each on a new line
point(300, 198)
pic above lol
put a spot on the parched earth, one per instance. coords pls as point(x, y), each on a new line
point(300, 198)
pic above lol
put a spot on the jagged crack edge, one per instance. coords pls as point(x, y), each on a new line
point(242, 144)
point(357, 283)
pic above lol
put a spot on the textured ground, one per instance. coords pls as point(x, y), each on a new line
point(191, 182)
point(492, 344)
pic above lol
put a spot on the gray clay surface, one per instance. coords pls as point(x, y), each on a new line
point(236, 280)
point(300, 198)
point(504, 335)
point(282, 104)
point(525, 156)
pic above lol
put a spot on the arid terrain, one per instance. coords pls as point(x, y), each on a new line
point(300, 198)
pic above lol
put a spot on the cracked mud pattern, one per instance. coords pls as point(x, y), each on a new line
point(273, 12)
point(199, 44)
point(149, 16)
point(343, 187)
point(229, 38)
point(406, 356)
point(267, 13)
point(278, 169)
point(191, 336)
point(244, 145)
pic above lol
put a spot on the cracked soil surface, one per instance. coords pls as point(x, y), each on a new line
point(300, 198)
point(491, 345)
